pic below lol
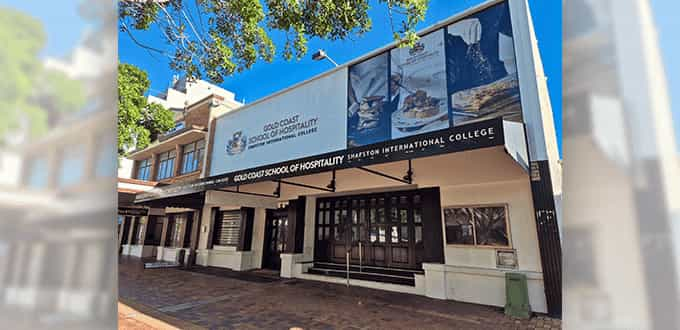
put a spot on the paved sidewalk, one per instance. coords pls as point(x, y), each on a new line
point(258, 301)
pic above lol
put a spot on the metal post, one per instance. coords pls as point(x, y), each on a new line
point(360, 257)
point(347, 254)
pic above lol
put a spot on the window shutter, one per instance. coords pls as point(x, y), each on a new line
point(227, 228)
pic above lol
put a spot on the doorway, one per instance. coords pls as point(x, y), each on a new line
point(276, 232)
point(383, 230)
point(125, 222)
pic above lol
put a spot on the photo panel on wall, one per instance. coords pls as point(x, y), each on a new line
point(481, 66)
point(418, 87)
point(368, 115)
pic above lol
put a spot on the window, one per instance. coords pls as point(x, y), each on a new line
point(72, 166)
point(106, 163)
point(192, 155)
point(227, 228)
point(323, 225)
point(166, 164)
point(478, 226)
point(144, 169)
point(37, 176)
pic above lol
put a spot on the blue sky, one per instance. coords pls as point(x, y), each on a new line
point(64, 29)
point(266, 78)
point(668, 26)
point(62, 23)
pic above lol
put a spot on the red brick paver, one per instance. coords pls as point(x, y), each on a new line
point(218, 302)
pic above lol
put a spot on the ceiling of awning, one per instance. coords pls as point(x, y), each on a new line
point(189, 201)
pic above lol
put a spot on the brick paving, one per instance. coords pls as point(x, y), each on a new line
point(219, 302)
point(127, 323)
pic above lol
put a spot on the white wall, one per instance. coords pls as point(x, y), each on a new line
point(10, 168)
point(523, 237)
point(195, 91)
point(227, 256)
point(470, 273)
point(125, 168)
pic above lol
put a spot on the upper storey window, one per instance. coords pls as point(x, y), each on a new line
point(192, 156)
point(166, 164)
point(143, 169)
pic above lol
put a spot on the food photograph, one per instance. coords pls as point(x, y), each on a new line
point(418, 87)
point(482, 74)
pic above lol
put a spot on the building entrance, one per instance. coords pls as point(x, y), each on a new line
point(276, 228)
point(383, 229)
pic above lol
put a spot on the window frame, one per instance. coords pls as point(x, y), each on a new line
point(168, 159)
point(38, 172)
point(147, 167)
point(474, 244)
point(196, 157)
point(70, 159)
point(174, 238)
point(216, 242)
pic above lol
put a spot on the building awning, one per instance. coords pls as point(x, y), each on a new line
point(490, 134)
point(187, 200)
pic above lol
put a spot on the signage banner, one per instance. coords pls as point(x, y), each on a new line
point(295, 124)
point(461, 73)
point(450, 92)
point(476, 135)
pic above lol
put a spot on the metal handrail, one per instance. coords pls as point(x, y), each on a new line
point(360, 258)
point(347, 254)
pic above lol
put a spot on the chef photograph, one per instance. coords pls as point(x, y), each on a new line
point(482, 73)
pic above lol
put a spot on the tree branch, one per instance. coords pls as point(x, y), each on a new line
point(138, 43)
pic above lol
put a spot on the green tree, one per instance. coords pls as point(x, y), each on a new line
point(231, 35)
point(139, 122)
point(31, 97)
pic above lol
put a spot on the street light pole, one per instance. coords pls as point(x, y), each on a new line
point(321, 55)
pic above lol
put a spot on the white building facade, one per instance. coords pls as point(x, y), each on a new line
point(432, 171)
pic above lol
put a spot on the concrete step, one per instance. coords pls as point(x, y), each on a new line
point(363, 275)
point(370, 269)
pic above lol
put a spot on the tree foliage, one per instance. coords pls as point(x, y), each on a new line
point(30, 94)
point(231, 35)
point(139, 122)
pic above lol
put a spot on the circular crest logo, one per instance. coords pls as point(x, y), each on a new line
point(237, 144)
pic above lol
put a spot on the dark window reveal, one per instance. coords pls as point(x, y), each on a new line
point(481, 226)
point(136, 232)
point(154, 230)
point(227, 228)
